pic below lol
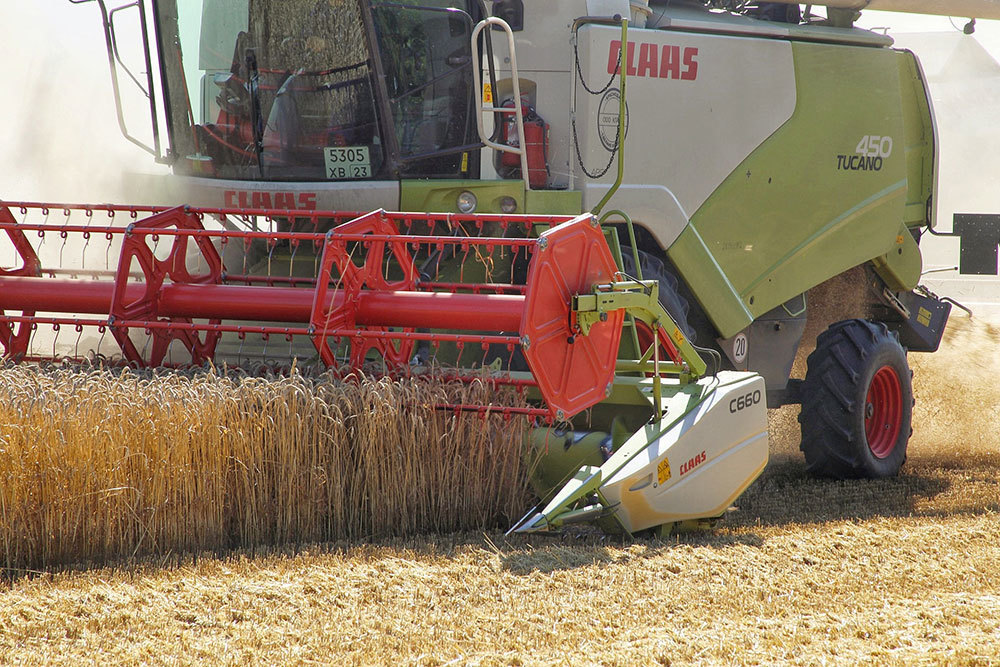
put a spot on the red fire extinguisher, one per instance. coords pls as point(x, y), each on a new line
point(536, 144)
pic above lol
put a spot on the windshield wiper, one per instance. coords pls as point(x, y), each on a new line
point(256, 117)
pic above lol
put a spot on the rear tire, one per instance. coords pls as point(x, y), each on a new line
point(670, 298)
point(857, 402)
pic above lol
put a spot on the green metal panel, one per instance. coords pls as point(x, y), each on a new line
point(554, 202)
point(440, 195)
point(919, 132)
point(900, 267)
point(706, 278)
point(824, 193)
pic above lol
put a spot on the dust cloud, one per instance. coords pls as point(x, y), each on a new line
point(58, 129)
point(957, 392)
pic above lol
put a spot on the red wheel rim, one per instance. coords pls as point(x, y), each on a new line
point(883, 412)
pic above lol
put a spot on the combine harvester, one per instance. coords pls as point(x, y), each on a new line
point(756, 160)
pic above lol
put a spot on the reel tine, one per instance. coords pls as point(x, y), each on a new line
point(103, 330)
point(64, 236)
point(83, 251)
point(247, 242)
point(55, 340)
point(107, 251)
point(145, 345)
point(272, 244)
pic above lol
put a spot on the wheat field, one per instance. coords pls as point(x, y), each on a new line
point(103, 465)
point(900, 572)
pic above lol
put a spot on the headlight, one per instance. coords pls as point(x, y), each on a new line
point(467, 202)
point(508, 204)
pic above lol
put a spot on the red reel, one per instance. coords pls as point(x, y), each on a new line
point(15, 337)
point(126, 308)
point(330, 315)
point(573, 372)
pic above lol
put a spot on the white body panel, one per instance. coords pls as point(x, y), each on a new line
point(981, 9)
point(172, 190)
point(686, 133)
point(711, 456)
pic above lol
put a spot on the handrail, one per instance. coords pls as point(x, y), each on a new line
point(114, 61)
point(477, 73)
point(623, 76)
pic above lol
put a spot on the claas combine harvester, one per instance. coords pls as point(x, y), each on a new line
point(630, 236)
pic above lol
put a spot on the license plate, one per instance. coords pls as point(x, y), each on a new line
point(344, 163)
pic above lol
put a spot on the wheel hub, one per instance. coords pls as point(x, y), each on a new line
point(883, 412)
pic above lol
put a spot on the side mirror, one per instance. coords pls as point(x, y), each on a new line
point(511, 11)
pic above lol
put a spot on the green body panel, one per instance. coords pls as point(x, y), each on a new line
point(900, 267)
point(553, 202)
point(701, 271)
point(918, 128)
point(553, 455)
point(805, 205)
point(440, 195)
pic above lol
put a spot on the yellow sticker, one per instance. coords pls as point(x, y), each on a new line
point(663, 470)
point(678, 337)
point(465, 162)
point(924, 317)
point(487, 93)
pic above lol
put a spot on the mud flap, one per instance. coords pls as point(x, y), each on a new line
point(923, 330)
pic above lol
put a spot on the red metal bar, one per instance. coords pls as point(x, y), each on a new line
point(505, 380)
point(475, 288)
point(400, 217)
point(424, 285)
point(494, 410)
point(425, 310)
point(316, 237)
point(150, 326)
point(441, 310)
point(247, 279)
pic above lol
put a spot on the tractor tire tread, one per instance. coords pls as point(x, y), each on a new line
point(833, 437)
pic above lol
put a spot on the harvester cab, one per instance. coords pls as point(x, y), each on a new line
point(637, 213)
